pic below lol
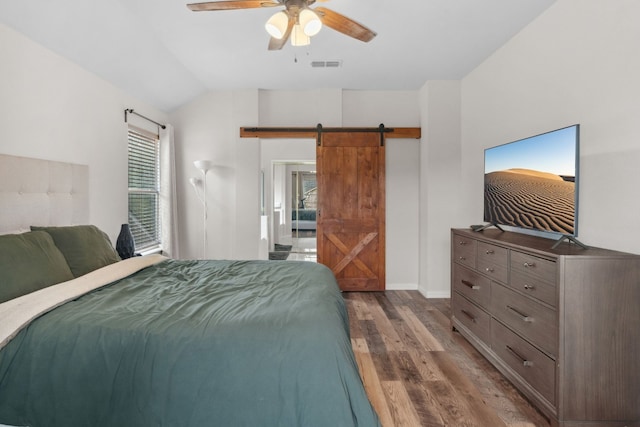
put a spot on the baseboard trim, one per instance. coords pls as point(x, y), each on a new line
point(435, 294)
point(402, 287)
point(414, 287)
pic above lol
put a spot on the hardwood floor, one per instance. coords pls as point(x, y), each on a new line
point(418, 372)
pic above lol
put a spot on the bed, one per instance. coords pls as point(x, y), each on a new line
point(90, 340)
point(303, 219)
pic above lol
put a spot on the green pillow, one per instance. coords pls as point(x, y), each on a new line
point(28, 262)
point(85, 247)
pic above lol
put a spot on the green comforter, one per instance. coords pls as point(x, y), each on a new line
point(191, 343)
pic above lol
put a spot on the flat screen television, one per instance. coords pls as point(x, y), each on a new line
point(532, 183)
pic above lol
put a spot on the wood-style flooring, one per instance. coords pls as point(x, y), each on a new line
point(418, 372)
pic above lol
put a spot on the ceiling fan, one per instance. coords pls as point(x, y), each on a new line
point(297, 21)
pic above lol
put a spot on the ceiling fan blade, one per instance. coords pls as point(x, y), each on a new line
point(231, 4)
point(344, 25)
point(277, 44)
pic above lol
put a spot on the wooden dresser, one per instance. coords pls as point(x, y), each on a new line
point(563, 325)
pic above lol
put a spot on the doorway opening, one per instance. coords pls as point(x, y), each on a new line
point(294, 190)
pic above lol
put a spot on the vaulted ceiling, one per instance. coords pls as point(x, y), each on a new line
point(165, 54)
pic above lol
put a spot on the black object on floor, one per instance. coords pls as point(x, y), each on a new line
point(278, 255)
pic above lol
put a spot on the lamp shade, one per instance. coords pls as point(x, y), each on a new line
point(310, 22)
point(298, 37)
point(276, 26)
point(203, 165)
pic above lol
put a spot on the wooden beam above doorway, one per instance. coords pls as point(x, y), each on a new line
point(312, 132)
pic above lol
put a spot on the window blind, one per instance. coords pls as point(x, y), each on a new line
point(144, 188)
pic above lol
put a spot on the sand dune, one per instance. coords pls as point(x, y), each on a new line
point(532, 172)
point(530, 199)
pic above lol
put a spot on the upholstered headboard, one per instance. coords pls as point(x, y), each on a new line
point(41, 192)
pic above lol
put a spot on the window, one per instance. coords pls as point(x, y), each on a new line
point(144, 188)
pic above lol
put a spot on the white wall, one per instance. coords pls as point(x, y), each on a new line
point(304, 108)
point(402, 215)
point(52, 109)
point(578, 62)
point(439, 183)
point(395, 109)
point(206, 128)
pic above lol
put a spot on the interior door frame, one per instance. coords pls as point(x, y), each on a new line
point(317, 131)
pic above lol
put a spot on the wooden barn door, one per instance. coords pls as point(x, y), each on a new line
point(351, 208)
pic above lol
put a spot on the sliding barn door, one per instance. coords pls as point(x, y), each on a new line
point(351, 208)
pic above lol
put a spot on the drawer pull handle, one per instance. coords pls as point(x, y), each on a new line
point(529, 264)
point(490, 252)
point(462, 243)
point(489, 270)
point(462, 258)
point(524, 361)
point(529, 287)
point(470, 285)
point(524, 317)
point(469, 315)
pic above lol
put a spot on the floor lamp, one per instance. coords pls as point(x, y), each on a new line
point(204, 166)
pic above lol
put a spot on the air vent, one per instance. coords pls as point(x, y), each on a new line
point(326, 64)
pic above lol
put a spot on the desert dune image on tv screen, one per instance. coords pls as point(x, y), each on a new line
point(531, 183)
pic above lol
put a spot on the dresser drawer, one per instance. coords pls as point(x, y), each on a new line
point(535, 276)
point(472, 285)
point(471, 316)
point(531, 364)
point(464, 250)
point(532, 320)
point(493, 261)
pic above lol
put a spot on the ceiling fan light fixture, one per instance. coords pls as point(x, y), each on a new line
point(310, 22)
point(298, 37)
point(276, 26)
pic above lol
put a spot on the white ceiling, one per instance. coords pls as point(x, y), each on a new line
point(165, 54)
